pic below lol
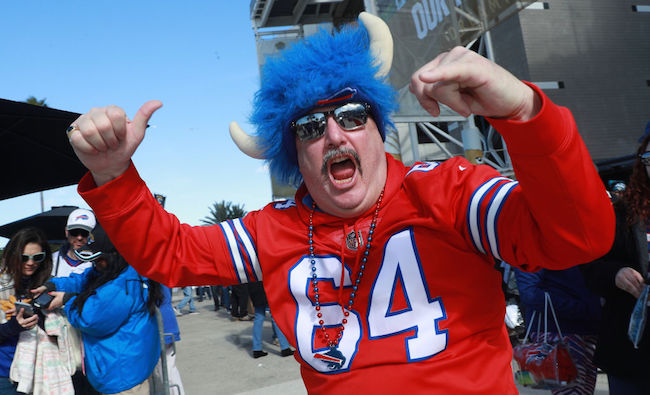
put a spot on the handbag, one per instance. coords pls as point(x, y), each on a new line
point(544, 362)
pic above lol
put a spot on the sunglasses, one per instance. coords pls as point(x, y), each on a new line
point(78, 232)
point(350, 116)
point(38, 257)
point(88, 255)
point(645, 158)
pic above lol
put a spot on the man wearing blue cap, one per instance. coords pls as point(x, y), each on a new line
point(380, 275)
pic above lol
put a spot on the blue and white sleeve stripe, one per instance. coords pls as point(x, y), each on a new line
point(233, 231)
point(473, 212)
point(250, 249)
point(482, 221)
point(492, 215)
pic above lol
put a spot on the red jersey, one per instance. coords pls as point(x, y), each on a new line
point(428, 316)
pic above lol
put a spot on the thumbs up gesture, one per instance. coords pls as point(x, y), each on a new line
point(104, 139)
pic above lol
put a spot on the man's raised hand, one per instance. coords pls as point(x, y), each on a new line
point(470, 84)
point(104, 139)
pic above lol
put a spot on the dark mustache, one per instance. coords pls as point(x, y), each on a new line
point(340, 151)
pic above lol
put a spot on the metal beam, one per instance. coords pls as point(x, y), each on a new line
point(298, 10)
point(266, 6)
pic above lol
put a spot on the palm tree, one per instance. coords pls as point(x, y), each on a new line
point(221, 211)
point(33, 100)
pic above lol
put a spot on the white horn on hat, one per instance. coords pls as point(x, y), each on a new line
point(246, 143)
point(381, 47)
point(381, 42)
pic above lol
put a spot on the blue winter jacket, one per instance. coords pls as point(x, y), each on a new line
point(120, 337)
point(577, 308)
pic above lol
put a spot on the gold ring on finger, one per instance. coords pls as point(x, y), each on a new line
point(71, 129)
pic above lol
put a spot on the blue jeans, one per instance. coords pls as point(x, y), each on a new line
point(225, 297)
point(260, 313)
point(187, 297)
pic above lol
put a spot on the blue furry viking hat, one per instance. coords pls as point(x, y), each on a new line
point(339, 67)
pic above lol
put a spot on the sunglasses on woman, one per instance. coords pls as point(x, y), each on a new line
point(38, 257)
point(349, 116)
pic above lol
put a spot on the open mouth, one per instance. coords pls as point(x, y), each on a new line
point(341, 165)
point(342, 170)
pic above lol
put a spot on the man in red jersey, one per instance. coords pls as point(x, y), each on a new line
point(380, 275)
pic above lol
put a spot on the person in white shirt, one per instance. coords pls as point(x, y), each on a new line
point(77, 230)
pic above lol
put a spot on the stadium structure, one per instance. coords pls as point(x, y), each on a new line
point(592, 56)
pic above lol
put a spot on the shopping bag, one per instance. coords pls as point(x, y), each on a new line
point(544, 362)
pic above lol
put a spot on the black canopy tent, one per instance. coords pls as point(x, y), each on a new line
point(52, 222)
point(34, 149)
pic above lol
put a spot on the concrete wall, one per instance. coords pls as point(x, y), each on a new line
point(600, 51)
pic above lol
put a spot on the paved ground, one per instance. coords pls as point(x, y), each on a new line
point(214, 357)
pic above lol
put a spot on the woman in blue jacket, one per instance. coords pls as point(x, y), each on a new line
point(114, 308)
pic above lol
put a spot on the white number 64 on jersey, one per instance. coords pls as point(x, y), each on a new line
point(400, 264)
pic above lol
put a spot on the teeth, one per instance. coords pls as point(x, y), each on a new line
point(342, 181)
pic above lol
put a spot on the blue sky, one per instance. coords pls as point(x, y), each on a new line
point(199, 58)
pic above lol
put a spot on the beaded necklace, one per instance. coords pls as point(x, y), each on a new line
point(333, 343)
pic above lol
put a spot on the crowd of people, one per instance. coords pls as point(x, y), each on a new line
point(84, 302)
point(105, 302)
point(250, 305)
point(381, 276)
